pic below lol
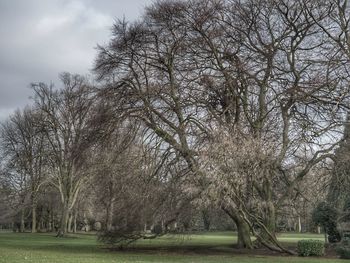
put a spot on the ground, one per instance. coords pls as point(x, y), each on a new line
point(206, 247)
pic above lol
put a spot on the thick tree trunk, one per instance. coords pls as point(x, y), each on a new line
point(243, 238)
point(34, 217)
point(269, 213)
point(268, 232)
point(64, 221)
point(243, 230)
point(270, 218)
point(206, 220)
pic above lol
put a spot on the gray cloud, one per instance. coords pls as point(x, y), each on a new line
point(39, 39)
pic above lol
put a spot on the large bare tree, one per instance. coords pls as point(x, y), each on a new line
point(254, 69)
point(66, 113)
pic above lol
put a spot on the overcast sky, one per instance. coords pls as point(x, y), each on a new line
point(41, 38)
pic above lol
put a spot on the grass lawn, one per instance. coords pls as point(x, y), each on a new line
point(208, 247)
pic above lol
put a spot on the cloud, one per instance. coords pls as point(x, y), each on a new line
point(5, 112)
point(42, 38)
point(74, 14)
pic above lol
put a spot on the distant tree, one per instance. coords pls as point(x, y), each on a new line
point(14, 186)
point(25, 151)
point(66, 113)
point(115, 164)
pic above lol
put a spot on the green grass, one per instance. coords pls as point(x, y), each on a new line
point(208, 247)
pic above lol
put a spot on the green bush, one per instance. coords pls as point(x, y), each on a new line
point(310, 248)
point(343, 251)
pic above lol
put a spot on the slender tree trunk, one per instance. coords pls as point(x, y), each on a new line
point(75, 222)
point(70, 221)
point(34, 217)
point(22, 226)
point(109, 217)
point(299, 225)
point(54, 221)
point(49, 221)
point(41, 224)
point(163, 226)
point(86, 223)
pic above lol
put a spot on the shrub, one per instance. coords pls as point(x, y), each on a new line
point(343, 252)
point(310, 248)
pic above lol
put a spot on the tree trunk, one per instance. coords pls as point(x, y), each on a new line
point(243, 238)
point(269, 213)
point(109, 216)
point(22, 226)
point(299, 225)
point(318, 230)
point(34, 217)
point(49, 223)
point(41, 223)
point(70, 221)
point(206, 220)
point(269, 222)
point(243, 230)
point(270, 218)
point(75, 222)
point(64, 221)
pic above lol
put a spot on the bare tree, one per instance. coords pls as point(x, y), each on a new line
point(254, 69)
point(115, 164)
point(150, 84)
point(66, 113)
point(25, 145)
point(289, 101)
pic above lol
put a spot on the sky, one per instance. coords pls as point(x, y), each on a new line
point(41, 38)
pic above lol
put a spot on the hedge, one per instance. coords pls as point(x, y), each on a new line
point(310, 248)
